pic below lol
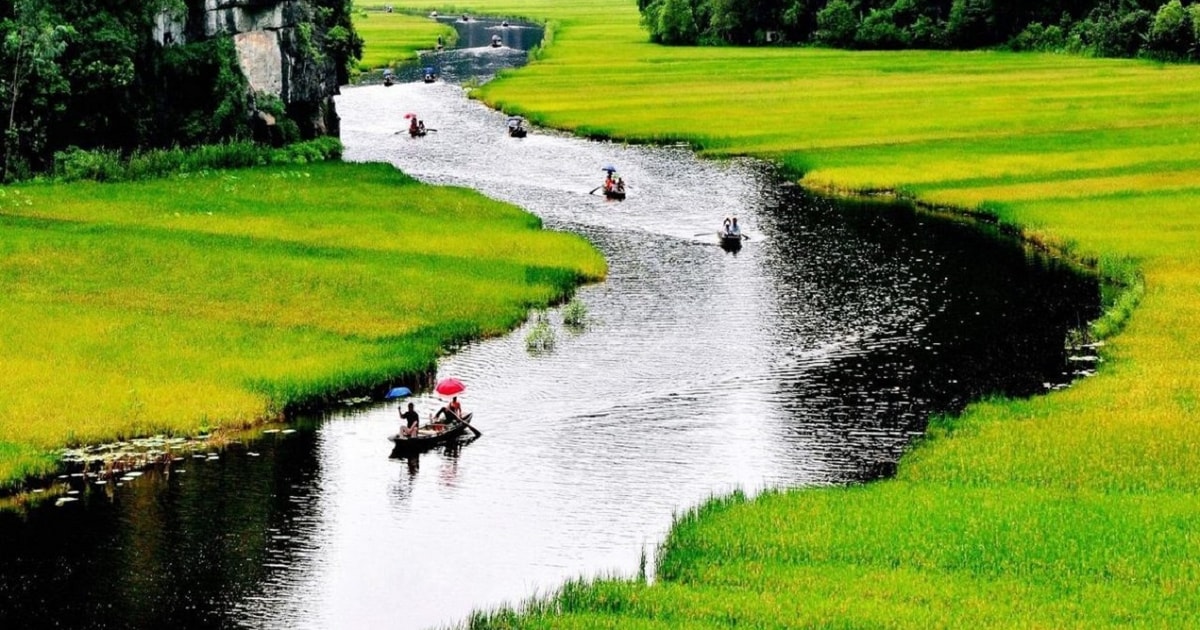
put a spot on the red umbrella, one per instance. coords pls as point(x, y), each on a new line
point(449, 387)
point(410, 115)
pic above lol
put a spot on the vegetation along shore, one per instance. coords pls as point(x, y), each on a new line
point(1073, 509)
point(221, 298)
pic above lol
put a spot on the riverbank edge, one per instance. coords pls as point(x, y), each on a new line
point(28, 490)
point(1123, 275)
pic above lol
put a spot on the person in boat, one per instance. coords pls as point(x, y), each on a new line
point(451, 412)
point(733, 227)
point(619, 184)
point(726, 225)
point(608, 182)
point(411, 419)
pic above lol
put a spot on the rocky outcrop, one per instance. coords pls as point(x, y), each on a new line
point(280, 51)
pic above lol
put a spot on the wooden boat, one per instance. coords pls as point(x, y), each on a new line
point(430, 435)
point(416, 133)
point(517, 132)
point(730, 241)
point(730, 238)
point(496, 41)
point(618, 195)
point(388, 78)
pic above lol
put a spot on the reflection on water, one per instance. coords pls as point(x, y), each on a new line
point(812, 356)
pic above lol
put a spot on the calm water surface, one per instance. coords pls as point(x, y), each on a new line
point(813, 355)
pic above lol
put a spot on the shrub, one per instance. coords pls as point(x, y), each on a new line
point(1171, 35)
point(836, 23)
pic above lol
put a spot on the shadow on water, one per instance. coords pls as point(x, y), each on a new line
point(812, 355)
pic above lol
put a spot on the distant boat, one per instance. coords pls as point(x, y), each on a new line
point(388, 77)
point(516, 127)
point(496, 41)
point(618, 195)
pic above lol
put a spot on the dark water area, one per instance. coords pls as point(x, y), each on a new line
point(812, 355)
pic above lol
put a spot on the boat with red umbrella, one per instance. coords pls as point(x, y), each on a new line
point(436, 433)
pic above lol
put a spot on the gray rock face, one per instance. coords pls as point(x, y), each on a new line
point(279, 51)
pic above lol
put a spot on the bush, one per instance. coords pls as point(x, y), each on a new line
point(1037, 36)
point(879, 31)
point(1171, 35)
point(836, 24)
point(105, 165)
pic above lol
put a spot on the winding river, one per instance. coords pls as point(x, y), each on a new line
point(812, 355)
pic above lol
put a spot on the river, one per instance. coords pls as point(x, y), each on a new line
point(812, 355)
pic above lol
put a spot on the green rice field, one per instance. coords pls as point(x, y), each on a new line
point(1075, 509)
point(218, 300)
point(395, 37)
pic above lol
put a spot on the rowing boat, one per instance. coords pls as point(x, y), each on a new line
point(429, 436)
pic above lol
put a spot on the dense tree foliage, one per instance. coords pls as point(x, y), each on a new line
point(1110, 28)
point(90, 74)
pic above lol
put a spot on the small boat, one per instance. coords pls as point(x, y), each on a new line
point(389, 77)
point(430, 75)
point(730, 240)
point(429, 436)
point(496, 41)
point(619, 195)
point(516, 127)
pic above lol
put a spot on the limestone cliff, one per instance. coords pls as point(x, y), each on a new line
point(281, 51)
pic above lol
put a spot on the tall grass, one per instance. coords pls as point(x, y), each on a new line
point(225, 297)
point(1075, 509)
point(395, 37)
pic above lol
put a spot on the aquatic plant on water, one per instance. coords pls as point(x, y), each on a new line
point(574, 314)
point(541, 335)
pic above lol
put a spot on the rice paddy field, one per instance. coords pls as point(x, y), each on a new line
point(192, 303)
point(1075, 509)
point(395, 37)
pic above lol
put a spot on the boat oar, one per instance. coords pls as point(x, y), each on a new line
point(472, 428)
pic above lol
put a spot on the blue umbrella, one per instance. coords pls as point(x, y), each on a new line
point(609, 168)
point(399, 392)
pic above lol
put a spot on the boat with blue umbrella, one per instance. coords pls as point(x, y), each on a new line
point(614, 184)
point(446, 426)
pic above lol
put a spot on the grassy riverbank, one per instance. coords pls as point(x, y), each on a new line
point(183, 304)
point(395, 37)
point(1075, 509)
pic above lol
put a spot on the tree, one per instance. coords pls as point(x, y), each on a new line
point(33, 40)
point(836, 23)
point(676, 22)
point(1170, 35)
